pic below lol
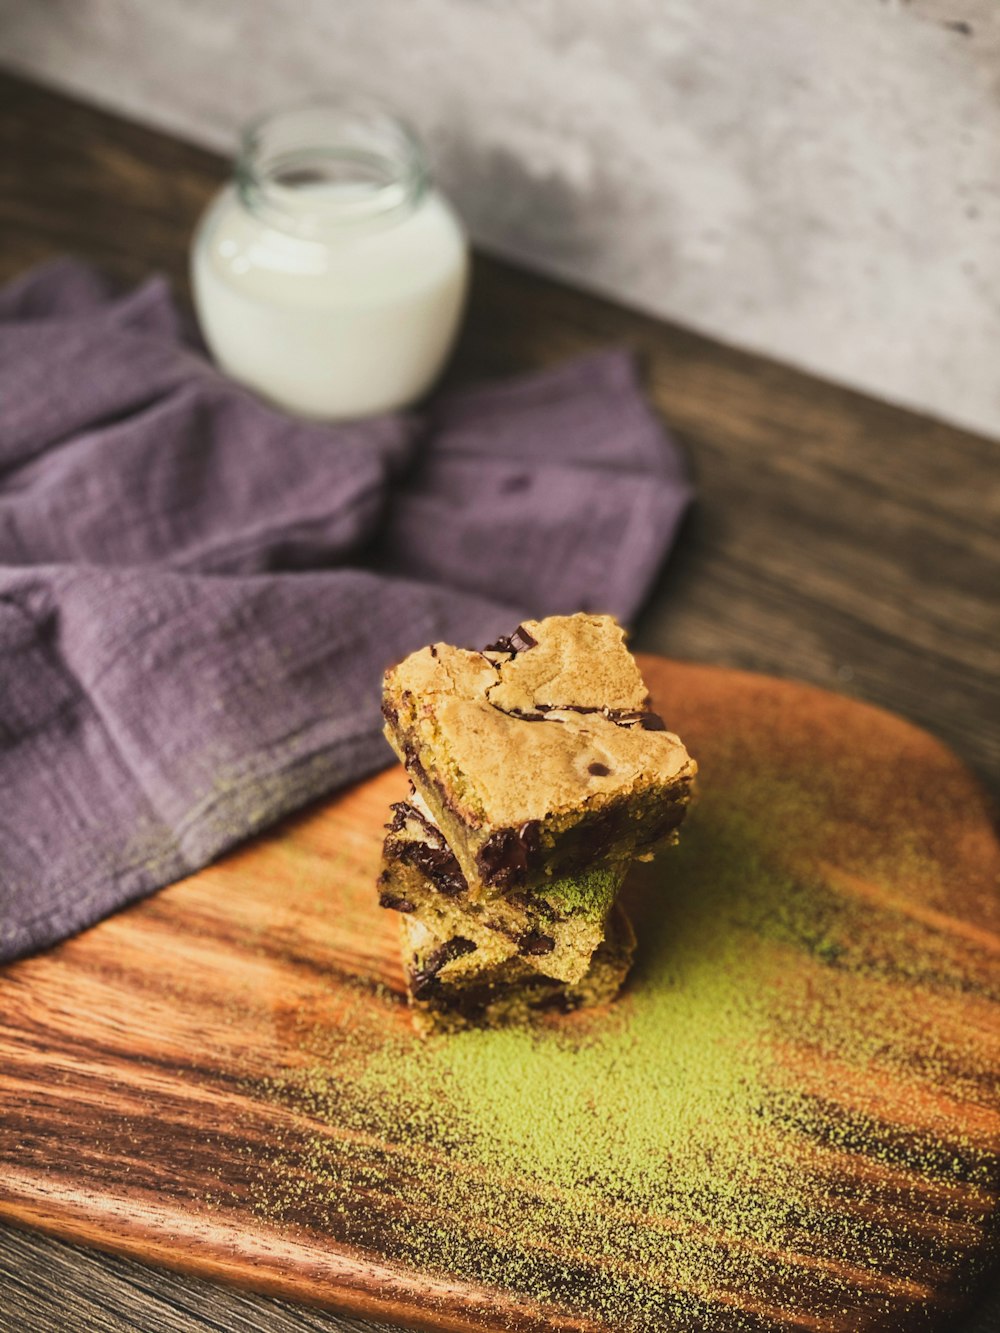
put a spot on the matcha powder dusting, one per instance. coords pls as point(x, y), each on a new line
point(675, 1161)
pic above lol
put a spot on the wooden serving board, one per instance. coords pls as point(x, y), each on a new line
point(791, 1120)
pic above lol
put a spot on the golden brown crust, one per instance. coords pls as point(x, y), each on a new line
point(498, 758)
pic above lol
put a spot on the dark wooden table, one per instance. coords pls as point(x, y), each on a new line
point(836, 539)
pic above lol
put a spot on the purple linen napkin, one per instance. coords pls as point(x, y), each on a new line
point(199, 594)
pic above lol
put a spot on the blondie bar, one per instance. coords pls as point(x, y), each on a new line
point(538, 756)
point(557, 929)
point(445, 997)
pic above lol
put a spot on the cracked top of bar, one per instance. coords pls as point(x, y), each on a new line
point(531, 734)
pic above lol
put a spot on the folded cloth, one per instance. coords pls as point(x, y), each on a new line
point(199, 593)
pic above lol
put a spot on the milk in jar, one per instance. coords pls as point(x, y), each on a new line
point(330, 275)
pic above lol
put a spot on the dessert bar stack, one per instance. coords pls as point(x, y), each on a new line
point(539, 773)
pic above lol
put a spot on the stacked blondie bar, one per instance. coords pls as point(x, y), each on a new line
point(538, 775)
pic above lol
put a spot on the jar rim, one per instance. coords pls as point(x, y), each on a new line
point(327, 163)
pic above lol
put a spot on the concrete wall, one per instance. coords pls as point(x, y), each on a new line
point(815, 179)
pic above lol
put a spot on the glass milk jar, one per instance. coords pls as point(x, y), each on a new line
point(330, 275)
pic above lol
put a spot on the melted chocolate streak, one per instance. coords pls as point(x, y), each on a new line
point(424, 981)
point(519, 642)
point(435, 864)
point(404, 812)
point(504, 858)
point(388, 712)
point(621, 717)
point(432, 857)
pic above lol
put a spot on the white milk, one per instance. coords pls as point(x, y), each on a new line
point(335, 299)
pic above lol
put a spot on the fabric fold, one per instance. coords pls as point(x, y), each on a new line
point(199, 593)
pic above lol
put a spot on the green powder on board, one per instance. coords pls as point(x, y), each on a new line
point(589, 893)
point(614, 1134)
point(623, 1164)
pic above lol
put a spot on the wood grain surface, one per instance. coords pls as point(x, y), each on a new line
point(202, 1080)
point(836, 539)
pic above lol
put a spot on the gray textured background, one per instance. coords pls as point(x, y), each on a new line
point(815, 179)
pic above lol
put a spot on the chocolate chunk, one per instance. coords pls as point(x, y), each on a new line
point(503, 858)
point(413, 765)
point(423, 985)
point(433, 650)
point(521, 640)
point(400, 814)
point(529, 834)
point(431, 855)
point(424, 982)
point(438, 864)
point(389, 713)
point(598, 769)
point(406, 813)
point(526, 900)
point(456, 947)
point(518, 642)
point(535, 943)
point(395, 903)
point(652, 722)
